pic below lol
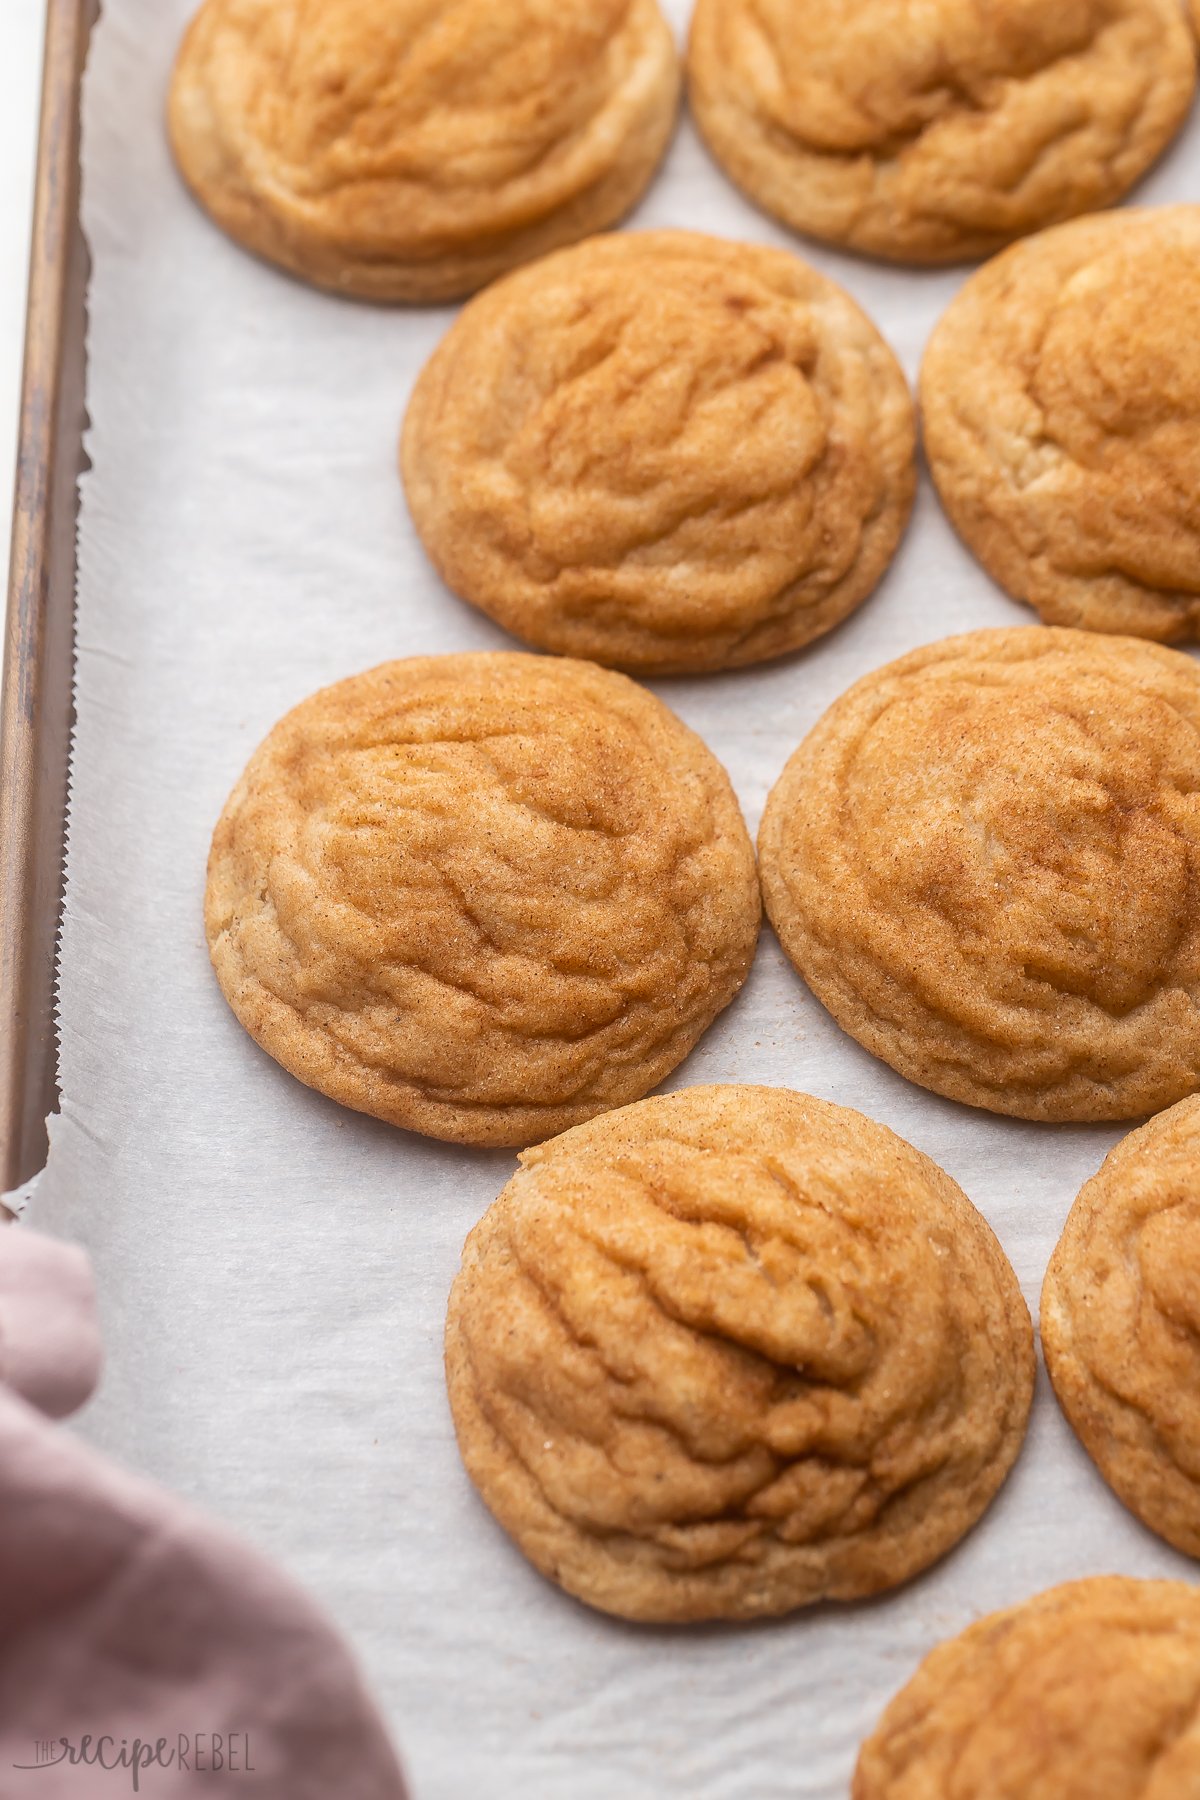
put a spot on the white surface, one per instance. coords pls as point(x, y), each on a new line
point(273, 1270)
point(20, 87)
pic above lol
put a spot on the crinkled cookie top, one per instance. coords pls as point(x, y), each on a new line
point(1121, 1322)
point(929, 130)
point(985, 861)
point(732, 1351)
point(1090, 1691)
point(1061, 393)
point(413, 149)
point(483, 896)
point(663, 451)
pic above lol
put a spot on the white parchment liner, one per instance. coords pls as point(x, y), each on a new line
point(273, 1270)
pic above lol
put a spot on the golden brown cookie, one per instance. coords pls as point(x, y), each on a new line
point(1121, 1322)
point(985, 861)
point(1090, 1691)
point(930, 133)
point(732, 1351)
point(481, 896)
point(415, 149)
point(662, 451)
point(1060, 395)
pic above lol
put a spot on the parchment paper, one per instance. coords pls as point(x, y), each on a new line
point(273, 1270)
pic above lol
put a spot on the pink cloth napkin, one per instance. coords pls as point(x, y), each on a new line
point(143, 1648)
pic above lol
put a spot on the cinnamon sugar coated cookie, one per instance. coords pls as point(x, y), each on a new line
point(481, 896)
point(985, 861)
point(1090, 1691)
point(1121, 1322)
point(1061, 400)
point(935, 132)
point(415, 149)
point(732, 1351)
point(662, 451)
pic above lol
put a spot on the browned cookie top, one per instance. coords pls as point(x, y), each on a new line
point(414, 149)
point(663, 451)
point(1088, 1692)
point(931, 130)
point(985, 861)
point(482, 896)
point(1060, 395)
point(734, 1350)
point(1121, 1322)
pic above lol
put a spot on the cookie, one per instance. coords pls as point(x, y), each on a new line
point(732, 1351)
point(985, 861)
point(1060, 395)
point(481, 896)
point(415, 149)
point(662, 451)
point(1121, 1322)
point(931, 133)
point(1087, 1692)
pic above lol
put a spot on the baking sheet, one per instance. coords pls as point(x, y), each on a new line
point(273, 1270)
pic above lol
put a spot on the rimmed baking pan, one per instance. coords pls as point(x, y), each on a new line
point(36, 703)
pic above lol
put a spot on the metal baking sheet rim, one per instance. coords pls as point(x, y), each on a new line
point(36, 701)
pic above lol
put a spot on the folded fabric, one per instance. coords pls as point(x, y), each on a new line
point(136, 1636)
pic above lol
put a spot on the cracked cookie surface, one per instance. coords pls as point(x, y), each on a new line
point(985, 861)
point(1121, 1322)
point(662, 451)
point(1060, 395)
point(1090, 1691)
point(415, 149)
point(732, 1351)
point(934, 132)
point(483, 896)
